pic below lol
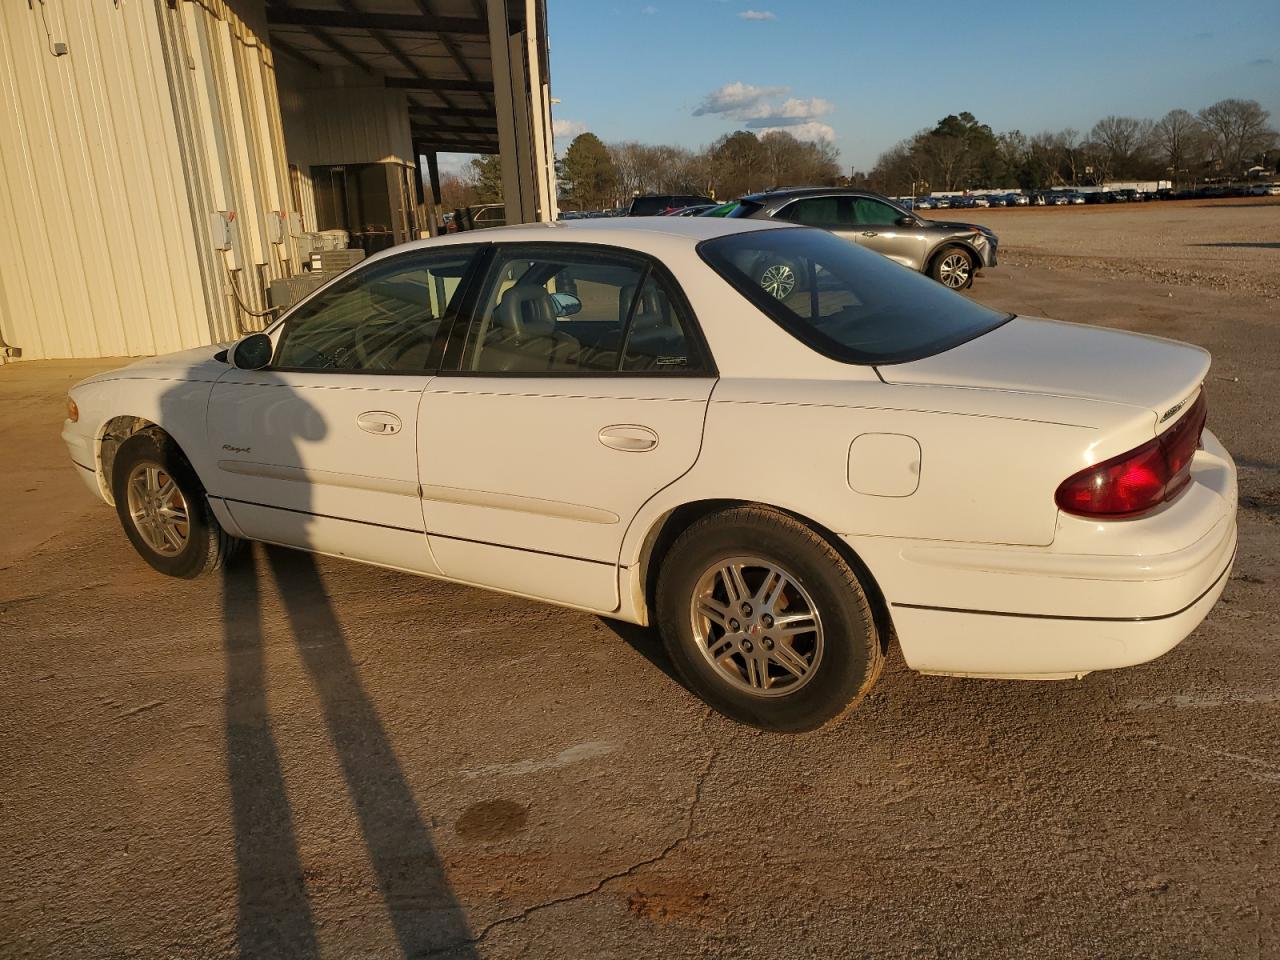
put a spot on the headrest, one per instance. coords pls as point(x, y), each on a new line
point(651, 310)
point(526, 312)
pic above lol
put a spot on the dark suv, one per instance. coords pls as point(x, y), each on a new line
point(949, 252)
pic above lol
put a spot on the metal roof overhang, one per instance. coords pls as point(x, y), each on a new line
point(437, 51)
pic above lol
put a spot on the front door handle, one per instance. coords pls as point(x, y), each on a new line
point(870, 233)
point(379, 422)
point(628, 437)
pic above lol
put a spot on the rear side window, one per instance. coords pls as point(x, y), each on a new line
point(846, 302)
point(577, 311)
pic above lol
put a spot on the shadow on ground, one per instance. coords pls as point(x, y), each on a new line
point(274, 918)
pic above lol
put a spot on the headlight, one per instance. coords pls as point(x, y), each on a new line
point(73, 412)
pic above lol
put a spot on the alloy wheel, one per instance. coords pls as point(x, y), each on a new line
point(158, 508)
point(778, 281)
point(757, 626)
point(954, 270)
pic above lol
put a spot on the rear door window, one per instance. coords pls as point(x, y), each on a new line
point(571, 309)
point(827, 212)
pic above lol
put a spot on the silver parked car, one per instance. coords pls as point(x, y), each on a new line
point(949, 252)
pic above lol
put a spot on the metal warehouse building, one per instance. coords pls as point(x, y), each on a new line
point(163, 161)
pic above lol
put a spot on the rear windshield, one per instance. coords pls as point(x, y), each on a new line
point(845, 302)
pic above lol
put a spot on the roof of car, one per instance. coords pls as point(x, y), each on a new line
point(657, 236)
point(617, 231)
point(807, 191)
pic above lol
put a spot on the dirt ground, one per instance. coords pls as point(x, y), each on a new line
point(311, 758)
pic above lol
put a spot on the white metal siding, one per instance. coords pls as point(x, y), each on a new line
point(112, 158)
point(93, 214)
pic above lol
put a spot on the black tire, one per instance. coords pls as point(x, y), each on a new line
point(207, 546)
point(938, 267)
point(851, 657)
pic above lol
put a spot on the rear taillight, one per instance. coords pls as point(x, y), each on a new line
point(1141, 479)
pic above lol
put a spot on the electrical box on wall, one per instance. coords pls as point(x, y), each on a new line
point(295, 224)
point(222, 229)
point(276, 226)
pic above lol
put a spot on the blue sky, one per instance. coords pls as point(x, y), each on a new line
point(872, 73)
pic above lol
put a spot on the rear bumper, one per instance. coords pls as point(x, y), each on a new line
point(1065, 610)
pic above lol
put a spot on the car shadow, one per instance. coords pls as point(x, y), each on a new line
point(646, 642)
point(1237, 206)
point(1258, 246)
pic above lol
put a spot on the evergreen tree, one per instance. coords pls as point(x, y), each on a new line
point(589, 173)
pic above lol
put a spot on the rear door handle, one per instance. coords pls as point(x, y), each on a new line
point(628, 437)
point(379, 422)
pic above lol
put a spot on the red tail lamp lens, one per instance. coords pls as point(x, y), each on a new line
point(1141, 479)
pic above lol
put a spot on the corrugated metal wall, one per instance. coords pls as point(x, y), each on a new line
point(359, 123)
point(113, 156)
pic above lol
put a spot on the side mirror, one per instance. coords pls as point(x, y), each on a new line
point(908, 222)
point(251, 353)
point(566, 304)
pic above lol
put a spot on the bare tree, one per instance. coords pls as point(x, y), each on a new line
point(1180, 138)
point(1045, 159)
point(1070, 154)
point(782, 154)
point(1238, 132)
point(1122, 142)
point(947, 154)
point(630, 160)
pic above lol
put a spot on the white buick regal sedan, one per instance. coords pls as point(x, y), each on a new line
point(623, 417)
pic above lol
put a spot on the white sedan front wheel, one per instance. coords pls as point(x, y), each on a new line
point(163, 508)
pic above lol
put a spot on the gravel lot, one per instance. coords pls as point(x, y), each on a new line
point(1229, 244)
point(311, 758)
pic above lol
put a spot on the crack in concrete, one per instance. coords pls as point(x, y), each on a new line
point(690, 821)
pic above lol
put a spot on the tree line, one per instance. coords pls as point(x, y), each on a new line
point(594, 175)
point(1219, 142)
point(1222, 141)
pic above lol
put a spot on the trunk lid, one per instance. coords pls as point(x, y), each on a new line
point(1052, 358)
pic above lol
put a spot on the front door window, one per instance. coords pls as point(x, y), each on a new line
point(382, 318)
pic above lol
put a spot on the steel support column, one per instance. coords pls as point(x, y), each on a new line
point(521, 104)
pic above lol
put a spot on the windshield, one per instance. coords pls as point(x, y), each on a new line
point(845, 302)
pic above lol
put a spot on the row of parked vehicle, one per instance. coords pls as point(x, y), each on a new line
point(1062, 198)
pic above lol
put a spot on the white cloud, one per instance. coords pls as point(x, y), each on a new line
point(806, 109)
point(763, 109)
point(757, 15)
point(809, 130)
point(738, 101)
point(567, 129)
point(649, 11)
